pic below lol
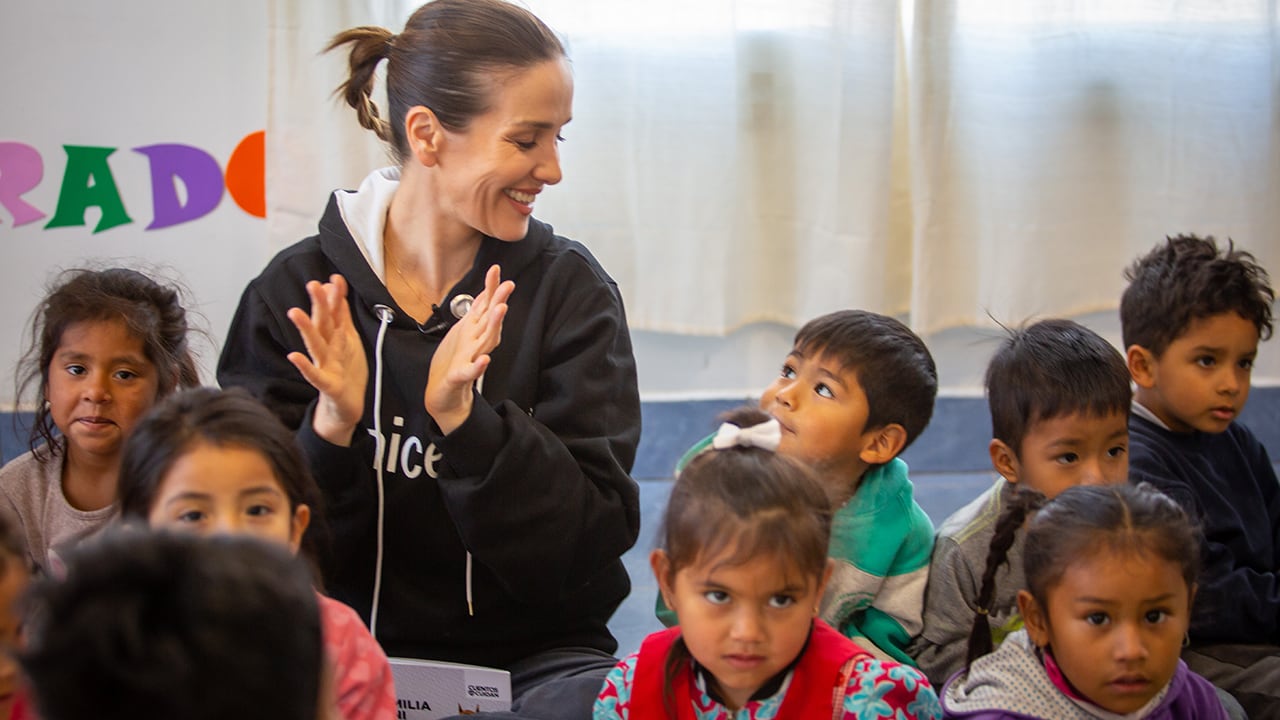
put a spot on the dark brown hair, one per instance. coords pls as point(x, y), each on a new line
point(442, 60)
point(741, 503)
point(151, 311)
point(1050, 369)
point(1188, 278)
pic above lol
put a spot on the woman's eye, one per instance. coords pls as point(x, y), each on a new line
point(716, 597)
point(824, 390)
point(525, 144)
point(781, 601)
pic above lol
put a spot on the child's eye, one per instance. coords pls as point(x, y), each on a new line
point(1246, 364)
point(191, 516)
point(1067, 458)
point(559, 137)
point(716, 597)
point(1117, 451)
point(788, 372)
point(1205, 361)
point(824, 390)
point(1096, 618)
point(260, 510)
point(126, 375)
point(1156, 616)
point(76, 370)
point(781, 601)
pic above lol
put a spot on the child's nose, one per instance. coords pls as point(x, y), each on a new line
point(747, 626)
point(1129, 644)
point(1230, 382)
point(97, 389)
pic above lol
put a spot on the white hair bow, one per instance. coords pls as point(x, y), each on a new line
point(765, 436)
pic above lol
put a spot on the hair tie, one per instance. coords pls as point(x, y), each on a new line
point(982, 611)
point(765, 436)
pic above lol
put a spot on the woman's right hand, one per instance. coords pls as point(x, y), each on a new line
point(335, 362)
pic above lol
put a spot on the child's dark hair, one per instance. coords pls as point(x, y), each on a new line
point(740, 503)
point(893, 365)
point(177, 626)
point(1188, 278)
point(1050, 369)
point(1076, 524)
point(221, 418)
point(150, 310)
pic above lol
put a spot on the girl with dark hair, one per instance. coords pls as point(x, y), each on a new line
point(463, 384)
point(212, 461)
point(1110, 578)
point(105, 345)
point(743, 564)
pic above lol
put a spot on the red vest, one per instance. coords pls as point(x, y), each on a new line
point(812, 693)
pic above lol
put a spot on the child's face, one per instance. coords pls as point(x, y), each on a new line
point(1115, 624)
point(823, 413)
point(100, 383)
point(1201, 381)
point(227, 489)
point(1068, 450)
point(12, 584)
point(744, 623)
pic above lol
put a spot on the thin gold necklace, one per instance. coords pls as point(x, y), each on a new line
point(395, 265)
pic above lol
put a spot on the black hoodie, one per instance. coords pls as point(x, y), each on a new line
point(533, 489)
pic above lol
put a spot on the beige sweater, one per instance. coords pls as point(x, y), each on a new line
point(32, 495)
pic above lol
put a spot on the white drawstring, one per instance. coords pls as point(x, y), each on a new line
point(385, 315)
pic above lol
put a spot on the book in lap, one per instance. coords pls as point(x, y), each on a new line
point(428, 689)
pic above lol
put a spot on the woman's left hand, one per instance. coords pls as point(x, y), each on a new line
point(463, 355)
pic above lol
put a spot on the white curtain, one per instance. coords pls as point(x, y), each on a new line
point(739, 161)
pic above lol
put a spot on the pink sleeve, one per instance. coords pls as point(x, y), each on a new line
point(361, 675)
point(887, 689)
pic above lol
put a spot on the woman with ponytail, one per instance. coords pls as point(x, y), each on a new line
point(461, 377)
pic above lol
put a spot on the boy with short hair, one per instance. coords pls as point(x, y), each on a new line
point(1059, 398)
point(1192, 317)
point(855, 391)
point(174, 625)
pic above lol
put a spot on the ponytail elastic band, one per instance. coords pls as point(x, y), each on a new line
point(982, 611)
point(765, 436)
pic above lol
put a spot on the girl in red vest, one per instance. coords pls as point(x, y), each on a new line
point(743, 563)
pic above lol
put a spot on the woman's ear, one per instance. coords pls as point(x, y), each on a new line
point(424, 133)
point(298, 527)
point(882, 445)
point(1142, 365)
point(1004, 460)
point(1035, 619)
point(661, 565)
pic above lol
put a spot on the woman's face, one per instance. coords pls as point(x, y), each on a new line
point(490, 173)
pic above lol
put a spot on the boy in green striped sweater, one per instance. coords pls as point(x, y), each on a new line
point(856, 389)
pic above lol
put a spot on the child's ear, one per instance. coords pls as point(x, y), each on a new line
point(661, 565)
point(1004, 460)
point(1142, 365)
point(882, 445)
point(425, 134)
point(301, 519)
point(1034, 617)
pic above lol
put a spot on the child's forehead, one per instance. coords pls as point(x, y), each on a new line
point(828, 359)
point(1227, 327)
point(1081, 419)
